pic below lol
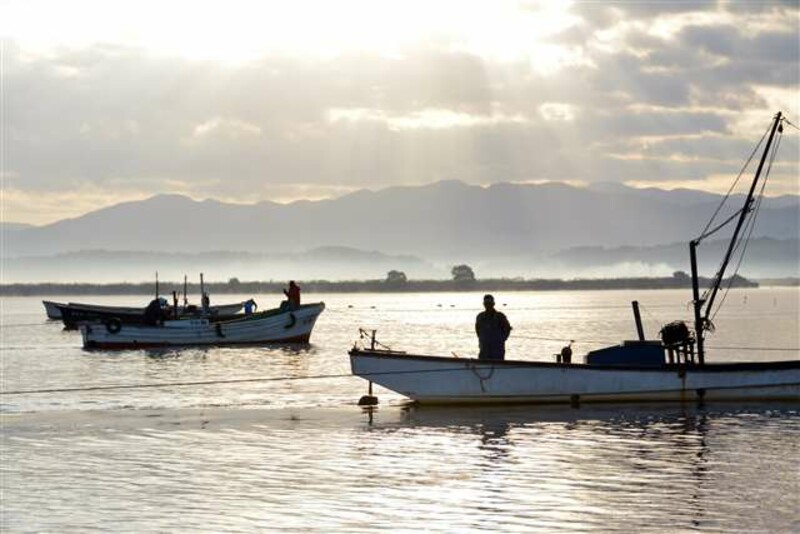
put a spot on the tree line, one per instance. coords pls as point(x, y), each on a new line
point(463, 279)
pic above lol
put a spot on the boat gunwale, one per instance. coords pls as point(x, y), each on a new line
point(273, 312)
point(708, 367)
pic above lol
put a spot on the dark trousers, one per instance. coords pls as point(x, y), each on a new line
point(492, 352)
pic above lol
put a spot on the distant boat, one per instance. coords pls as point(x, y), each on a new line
point(72, 314)
point(268, 327)
point(633, 371)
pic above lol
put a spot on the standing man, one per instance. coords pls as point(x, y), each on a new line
point(293, 295)
point(493, 329)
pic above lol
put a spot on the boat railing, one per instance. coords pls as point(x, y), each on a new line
point(679, 342)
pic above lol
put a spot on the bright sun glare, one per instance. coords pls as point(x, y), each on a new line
point(237, 31)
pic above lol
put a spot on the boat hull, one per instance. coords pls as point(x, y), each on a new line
point(73, 314)
point(438, 380)
point(52, 309)
point(274, 326)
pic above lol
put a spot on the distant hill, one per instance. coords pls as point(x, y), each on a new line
point(445, 223)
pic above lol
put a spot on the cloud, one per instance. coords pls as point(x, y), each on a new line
point(628, 91)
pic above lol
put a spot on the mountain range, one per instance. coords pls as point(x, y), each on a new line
point(431, 227)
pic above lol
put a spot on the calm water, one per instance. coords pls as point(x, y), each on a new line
point(296, 454)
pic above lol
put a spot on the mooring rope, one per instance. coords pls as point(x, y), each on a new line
point(6, 325)
point(172, 384)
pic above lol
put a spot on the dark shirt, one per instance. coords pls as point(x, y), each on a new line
point(153, 313)
point(293, 295)
point(493, 329)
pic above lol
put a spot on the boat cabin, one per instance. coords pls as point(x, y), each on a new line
point(636, 353)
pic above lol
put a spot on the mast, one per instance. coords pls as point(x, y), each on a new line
point(701, 319)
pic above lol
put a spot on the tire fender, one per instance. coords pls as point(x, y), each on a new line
point(113, 325)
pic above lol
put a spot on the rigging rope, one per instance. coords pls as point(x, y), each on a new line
point(657, 321)
point(751, 224)
point(730, 189)
point(790, 123)
point(562, 340)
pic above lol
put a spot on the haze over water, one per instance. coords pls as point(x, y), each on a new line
point(299, 455)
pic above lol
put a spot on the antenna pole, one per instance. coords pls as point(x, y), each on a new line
point(697, 303)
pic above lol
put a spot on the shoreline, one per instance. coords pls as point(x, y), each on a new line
point(376, 286)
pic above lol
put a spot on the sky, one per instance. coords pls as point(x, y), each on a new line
point(248, 101)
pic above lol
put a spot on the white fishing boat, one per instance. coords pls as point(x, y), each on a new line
point(672, 369)
point(444, 380)
point(272, 326)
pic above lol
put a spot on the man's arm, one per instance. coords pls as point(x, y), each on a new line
point(506, 327)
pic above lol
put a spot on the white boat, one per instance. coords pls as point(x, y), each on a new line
point(53, 309)
point(272, 326)
point(673, 369)
point(447, 380)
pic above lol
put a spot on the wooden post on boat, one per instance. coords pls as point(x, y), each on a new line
point(185, 299)
point(157, 291)
point(638, 318)
point(697, 303)
point(369, 399)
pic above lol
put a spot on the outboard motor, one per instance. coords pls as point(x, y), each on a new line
point(678, 340)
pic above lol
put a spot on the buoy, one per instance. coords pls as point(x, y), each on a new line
point(369, 399)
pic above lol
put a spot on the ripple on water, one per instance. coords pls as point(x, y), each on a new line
point(298, 455)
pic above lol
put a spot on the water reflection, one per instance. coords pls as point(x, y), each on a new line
point(580, 466)
point(160, 353)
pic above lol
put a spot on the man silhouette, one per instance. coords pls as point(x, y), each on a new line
point(493, 329)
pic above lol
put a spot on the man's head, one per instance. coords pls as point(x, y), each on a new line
point(488, 302)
